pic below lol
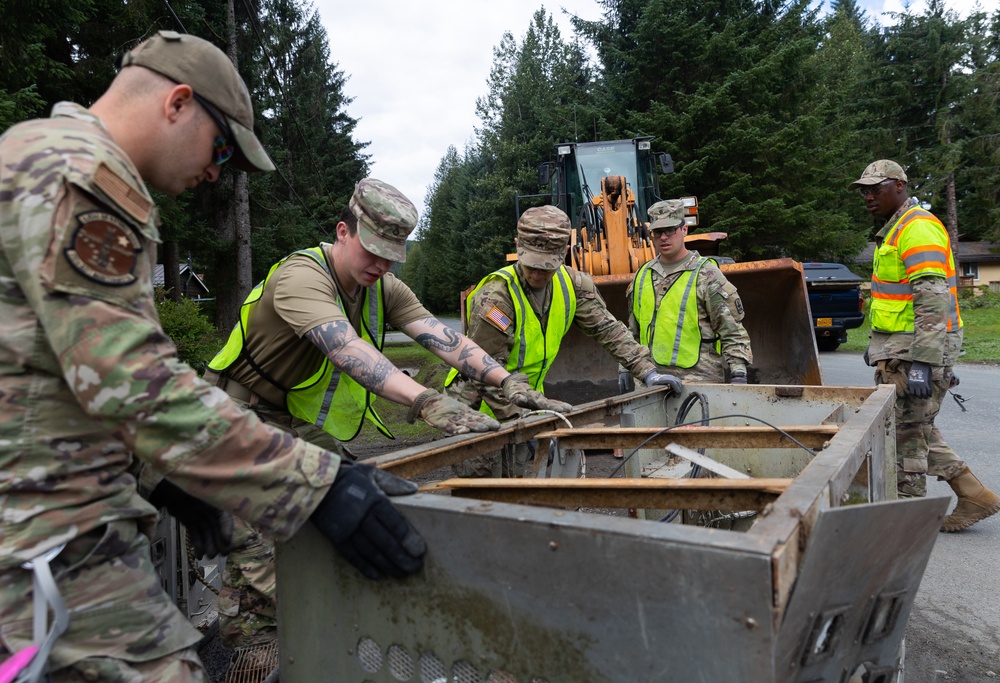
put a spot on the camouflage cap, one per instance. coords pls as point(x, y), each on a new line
point(196, 62)
point(666, 214)
point(879, 171)
point(542, 236)
point(385, 217)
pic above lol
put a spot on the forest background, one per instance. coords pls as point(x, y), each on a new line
point(769, 109)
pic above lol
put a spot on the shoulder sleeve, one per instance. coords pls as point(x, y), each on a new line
point(305, 295)
point(923, 246)
point(402, 306)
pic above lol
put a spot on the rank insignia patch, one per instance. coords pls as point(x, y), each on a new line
point(104, 248)
point(499, 320)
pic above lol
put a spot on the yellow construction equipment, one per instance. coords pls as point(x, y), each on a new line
point(611, 240)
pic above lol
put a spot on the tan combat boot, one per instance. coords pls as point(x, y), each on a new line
point(975, 502)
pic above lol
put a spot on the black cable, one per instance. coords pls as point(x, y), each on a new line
point(176, 18)
point(701, 422)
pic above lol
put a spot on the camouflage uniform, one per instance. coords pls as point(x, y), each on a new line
point(920, 447)
point(89, 380)
point(592, 317)
point(720, 314)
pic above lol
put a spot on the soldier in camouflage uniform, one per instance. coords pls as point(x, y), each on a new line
point(699, 338)
point(916, 337)
point(526, 338)
point(307, 356)
point(89, 381)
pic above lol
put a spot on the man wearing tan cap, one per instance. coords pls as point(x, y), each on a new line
point(90, 384)
point(306, 356)
point(916, 337)
point(684, 309)
point(520, 314)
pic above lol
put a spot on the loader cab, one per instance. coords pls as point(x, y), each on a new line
point(575, 176)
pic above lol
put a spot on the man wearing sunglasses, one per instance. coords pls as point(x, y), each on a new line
point(916, 337)
point(89, 382)
point(684, 309)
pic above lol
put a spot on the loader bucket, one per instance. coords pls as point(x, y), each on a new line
point(777, 319)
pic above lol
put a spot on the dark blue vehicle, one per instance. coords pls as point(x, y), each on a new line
point(835, 302)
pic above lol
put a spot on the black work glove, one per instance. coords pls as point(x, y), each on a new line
point(654, 378)
point(365, 527)
point(918, 380)
point(866, 359)
point(209, 529)
point(954, 381)
point(738, 378)
point(625, 382)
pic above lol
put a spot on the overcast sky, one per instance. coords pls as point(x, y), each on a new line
point(416, 69)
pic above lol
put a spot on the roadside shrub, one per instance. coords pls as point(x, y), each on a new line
point(985, 300)
point(191, 330)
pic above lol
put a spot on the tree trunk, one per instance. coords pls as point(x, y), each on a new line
point(171, 271)
point(233, 265)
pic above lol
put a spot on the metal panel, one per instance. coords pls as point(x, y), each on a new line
point(856, 587)
point(530, 595)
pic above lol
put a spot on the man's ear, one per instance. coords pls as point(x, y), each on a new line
point(178, 99)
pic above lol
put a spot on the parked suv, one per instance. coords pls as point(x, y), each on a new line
point(835, 302)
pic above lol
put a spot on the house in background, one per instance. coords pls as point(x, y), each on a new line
point(978, 263)
point(192, 286)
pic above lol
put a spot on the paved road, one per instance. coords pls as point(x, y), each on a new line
point(954, 630)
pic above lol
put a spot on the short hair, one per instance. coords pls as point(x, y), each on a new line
point(348, 218)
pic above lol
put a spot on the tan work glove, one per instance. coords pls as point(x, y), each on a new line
point(518, 391)
point(448, 415)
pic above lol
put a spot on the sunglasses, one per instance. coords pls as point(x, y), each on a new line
point(666, 231)
point(224, 149)
point(874, 190)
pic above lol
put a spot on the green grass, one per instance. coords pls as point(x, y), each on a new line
point(982, 333)
point(431, 372)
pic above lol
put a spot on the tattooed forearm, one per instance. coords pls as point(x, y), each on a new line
point(478, 371)
point(443, 338)
point(349, 353)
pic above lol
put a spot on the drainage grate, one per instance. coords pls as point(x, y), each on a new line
point(252, 664)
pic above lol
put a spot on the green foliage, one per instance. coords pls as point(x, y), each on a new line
point(191, 330)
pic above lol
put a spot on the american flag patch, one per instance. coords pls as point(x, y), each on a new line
point(497, 317)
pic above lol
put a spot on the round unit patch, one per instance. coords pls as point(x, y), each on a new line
point(104, 248)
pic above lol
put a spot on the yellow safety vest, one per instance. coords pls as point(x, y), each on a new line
point(894, 267)
point(328, 399)
point(534, 349)
point(670, 329)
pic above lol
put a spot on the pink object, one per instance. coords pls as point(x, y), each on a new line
point(18, 661)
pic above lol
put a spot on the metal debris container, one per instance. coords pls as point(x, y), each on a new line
point(553, 579)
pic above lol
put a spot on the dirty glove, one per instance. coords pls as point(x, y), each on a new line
point(954, 381)
point(865, 358)
point(519, 392)
point(738, 377)
point(448, 415)
point(365, 527)
point(918, 380)
point(209, 529)
point(653, 378)
point(625, 382)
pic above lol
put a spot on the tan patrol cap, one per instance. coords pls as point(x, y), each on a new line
point(385, 218)
point(878, 172)
point(196, 62)
point(542, 236)
point(666, 214)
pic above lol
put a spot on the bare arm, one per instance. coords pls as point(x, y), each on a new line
point(363, 362)
point(456, 350)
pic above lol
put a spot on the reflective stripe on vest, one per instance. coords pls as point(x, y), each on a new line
point(669, 327)
point(891, 307)
point(534, 349)
point(334, 402)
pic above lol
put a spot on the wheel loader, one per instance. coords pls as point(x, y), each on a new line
point(606, 189)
